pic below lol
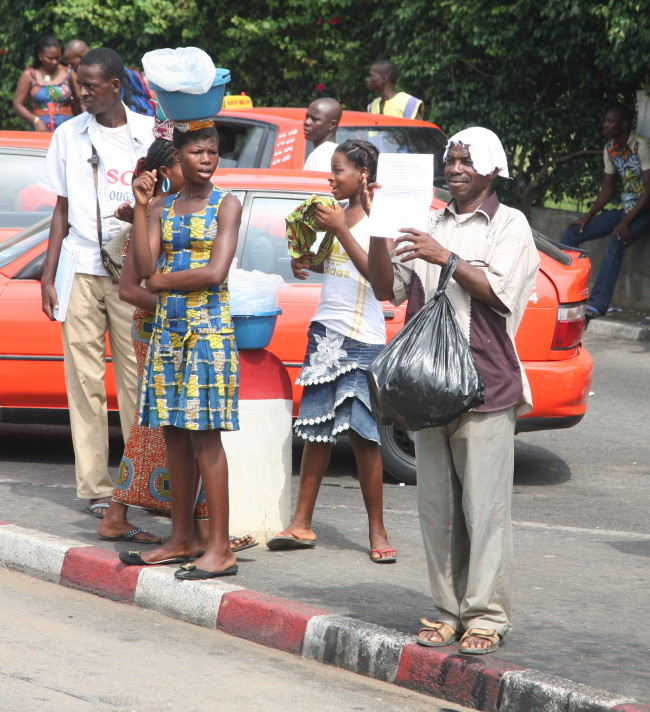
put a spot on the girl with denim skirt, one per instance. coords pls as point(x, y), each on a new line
point(346, 334)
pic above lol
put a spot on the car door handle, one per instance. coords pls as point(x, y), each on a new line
point(388, 315)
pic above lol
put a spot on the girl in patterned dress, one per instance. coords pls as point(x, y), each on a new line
point(143, 480)
point(191, 378)
point(346, 334)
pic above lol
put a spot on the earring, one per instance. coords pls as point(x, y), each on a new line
point(166, 185)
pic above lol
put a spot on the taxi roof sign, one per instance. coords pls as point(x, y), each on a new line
point(238, 101)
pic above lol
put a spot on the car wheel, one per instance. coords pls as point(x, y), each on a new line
point(398, 453)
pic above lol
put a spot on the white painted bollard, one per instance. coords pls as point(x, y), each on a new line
point(259, 453)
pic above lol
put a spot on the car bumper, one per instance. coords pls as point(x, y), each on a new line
point(560, 390)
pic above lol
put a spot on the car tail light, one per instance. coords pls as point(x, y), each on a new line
point(570, 326)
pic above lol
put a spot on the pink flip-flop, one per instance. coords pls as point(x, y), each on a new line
point(384, 559)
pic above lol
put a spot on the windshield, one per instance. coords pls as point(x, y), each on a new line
point(402, 139)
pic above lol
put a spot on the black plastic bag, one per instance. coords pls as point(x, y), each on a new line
point(426, 375)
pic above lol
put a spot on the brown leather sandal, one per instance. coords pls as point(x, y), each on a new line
point(447, 634)
point(484, 634)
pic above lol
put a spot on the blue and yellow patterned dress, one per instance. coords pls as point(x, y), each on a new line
point(191, 378)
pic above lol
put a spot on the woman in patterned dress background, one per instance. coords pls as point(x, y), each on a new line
point(50, 86)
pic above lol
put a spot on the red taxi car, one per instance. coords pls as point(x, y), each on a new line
point(32, 385)
point(272, 137)
point(250, 138)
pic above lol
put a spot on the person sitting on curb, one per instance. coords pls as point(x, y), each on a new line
point(626, 156)
point(381, 79)
point(320, 124)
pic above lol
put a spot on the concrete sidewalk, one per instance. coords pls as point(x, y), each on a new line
point(628, 324)
point(297, 627)
point(333, 605)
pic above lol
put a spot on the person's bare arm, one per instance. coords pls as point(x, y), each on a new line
point(76, 101)
point(145, 235)
point(58, 230)
point(334, 221)
point(380, 267)
point(605, 195)
point(221, 256)
point(20, 97)
point(416, 244)
point(131, 290)
point(622, 230)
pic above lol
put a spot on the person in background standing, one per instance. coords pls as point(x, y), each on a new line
point(51, 87)
point(74, 52)
point(382, 78)
point(320, 124)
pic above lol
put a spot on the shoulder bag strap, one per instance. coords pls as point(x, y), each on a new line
point(94, 161)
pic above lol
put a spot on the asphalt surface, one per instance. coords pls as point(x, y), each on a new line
point(569, 576)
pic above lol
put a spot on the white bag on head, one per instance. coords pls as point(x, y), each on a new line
point(186, 69)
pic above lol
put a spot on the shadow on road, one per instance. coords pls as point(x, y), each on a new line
point(536, 466)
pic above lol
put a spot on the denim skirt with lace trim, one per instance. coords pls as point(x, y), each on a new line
point(335, 396)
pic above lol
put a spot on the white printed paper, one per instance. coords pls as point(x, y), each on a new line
point(405, 196)
point(65, 272)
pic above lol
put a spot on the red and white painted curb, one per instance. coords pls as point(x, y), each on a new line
point(483, 684)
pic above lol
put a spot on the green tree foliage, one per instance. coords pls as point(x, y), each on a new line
point(539, 74)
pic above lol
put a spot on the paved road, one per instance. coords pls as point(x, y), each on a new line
point(81, 653)
point(582, 534)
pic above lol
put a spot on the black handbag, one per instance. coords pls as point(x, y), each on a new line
point(426, 376)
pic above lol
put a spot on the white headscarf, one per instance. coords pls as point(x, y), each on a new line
point(485, 149)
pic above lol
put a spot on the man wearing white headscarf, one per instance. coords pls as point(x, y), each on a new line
point(465, 468)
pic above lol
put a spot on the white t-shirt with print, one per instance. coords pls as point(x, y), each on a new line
point(120, 162)
point(347, 304)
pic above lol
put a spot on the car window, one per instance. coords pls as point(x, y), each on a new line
point(265, 247)
point(402, 139)
point(240, 145)
point(21, 243)
point(22, 201)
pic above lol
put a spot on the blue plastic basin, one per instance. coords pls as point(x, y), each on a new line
point(254, 331)
point(181, 106)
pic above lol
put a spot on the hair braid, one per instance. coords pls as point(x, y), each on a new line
point(159, 155)
point(362, 154)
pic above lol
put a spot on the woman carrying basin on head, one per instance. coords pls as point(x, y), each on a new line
point(191, 378)
point(143, 476)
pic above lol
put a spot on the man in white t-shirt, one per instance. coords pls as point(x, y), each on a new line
point(319, 126)
point(119, 137)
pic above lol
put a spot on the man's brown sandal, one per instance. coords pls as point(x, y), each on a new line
point(484, 634)
point(447, 634)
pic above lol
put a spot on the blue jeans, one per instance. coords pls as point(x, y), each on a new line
point(602, 225)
